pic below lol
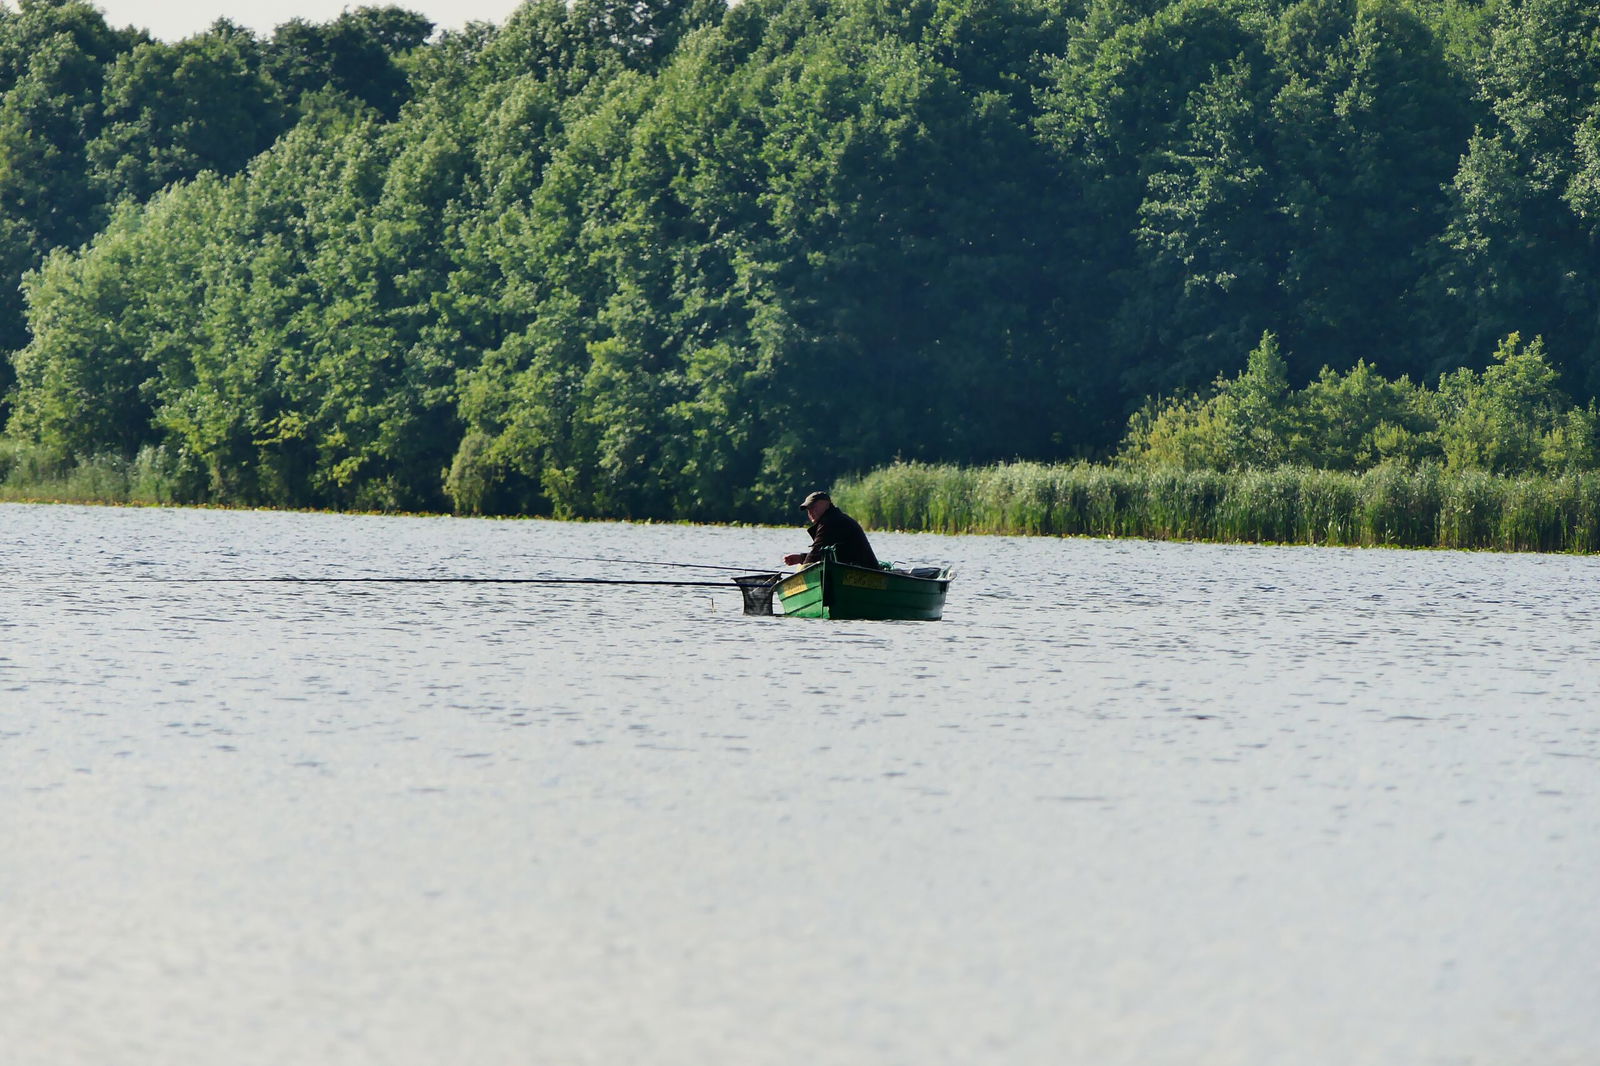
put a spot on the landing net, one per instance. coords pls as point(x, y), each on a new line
point(757, 590)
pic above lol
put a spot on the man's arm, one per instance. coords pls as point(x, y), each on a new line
point(826, 536)
point(820, 539)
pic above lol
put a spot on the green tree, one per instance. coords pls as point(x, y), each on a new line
point(1120, 103)
point(52, 59)
point(1358, 419)
point(1511, 419)
point(1520, 254)
point(358, 54)
point(83, 383)
point(1369, 142)
point(1514, 417)
point(173, 110)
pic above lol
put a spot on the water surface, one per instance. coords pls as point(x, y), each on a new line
point(1128, 803)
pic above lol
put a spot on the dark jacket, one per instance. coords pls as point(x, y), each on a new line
point(843, 534)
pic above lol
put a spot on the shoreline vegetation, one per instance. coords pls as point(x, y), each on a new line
point(1393, 505)
point(1503, 460)
point(30, 473)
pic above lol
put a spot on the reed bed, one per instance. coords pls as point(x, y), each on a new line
point(34, 474)
point(1401, 505)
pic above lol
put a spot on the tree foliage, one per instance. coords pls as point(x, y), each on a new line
point(1511, 418)
point(680, 259)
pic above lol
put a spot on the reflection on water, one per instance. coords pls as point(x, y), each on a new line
point(1128, 803)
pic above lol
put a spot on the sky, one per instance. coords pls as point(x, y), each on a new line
point(171, 20)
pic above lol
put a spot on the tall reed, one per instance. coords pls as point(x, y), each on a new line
point(30, 472)
point(1393, 504)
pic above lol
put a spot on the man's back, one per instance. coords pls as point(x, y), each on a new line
point(837, 530)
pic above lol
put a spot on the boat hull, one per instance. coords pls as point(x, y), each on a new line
point(828, 589)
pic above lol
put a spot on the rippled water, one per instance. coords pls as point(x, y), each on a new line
point(1128, 803)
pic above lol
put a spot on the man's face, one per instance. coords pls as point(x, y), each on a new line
point(814, 510)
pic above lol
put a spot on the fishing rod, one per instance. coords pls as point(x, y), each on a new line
point(656, 562)
point(424, 581)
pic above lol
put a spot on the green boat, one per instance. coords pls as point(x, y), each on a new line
point(829, 589)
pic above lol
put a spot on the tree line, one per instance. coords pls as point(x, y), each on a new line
point(679, 259)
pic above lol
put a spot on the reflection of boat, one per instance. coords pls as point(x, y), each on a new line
point(829, 589)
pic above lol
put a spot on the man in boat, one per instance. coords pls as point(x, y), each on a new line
point(832, 528)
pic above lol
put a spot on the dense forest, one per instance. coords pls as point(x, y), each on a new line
point(679, 259)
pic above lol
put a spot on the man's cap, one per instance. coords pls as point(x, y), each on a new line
point(814, 497)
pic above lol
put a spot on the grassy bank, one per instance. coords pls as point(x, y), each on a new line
point(1418, 507)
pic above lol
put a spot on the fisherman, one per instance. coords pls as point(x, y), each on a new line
point(832, 528)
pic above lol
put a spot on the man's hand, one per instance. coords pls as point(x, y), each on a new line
point(794, 560)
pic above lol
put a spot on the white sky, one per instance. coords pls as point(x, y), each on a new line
point(174, 19)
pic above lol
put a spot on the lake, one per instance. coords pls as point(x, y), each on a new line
point(1128, 803)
